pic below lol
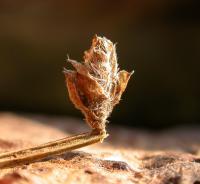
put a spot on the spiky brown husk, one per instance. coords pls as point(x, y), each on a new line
point(96, 85)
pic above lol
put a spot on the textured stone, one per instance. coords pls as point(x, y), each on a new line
point(127, 156)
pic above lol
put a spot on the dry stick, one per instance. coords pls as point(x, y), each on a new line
point(11, 159)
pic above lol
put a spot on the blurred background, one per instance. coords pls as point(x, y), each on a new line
point(160, 40)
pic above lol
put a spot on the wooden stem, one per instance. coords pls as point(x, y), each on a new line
point(11, 159)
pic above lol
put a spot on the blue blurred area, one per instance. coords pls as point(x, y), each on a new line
point(160, 40)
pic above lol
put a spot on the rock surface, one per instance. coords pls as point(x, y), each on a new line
point(127, 156)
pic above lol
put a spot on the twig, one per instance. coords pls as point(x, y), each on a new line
point(25, 156)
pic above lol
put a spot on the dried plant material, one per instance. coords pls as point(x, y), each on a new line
point(95, 88)
point(24, 156)
point(96, 85)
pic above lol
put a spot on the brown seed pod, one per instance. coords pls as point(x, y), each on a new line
point(96, 85)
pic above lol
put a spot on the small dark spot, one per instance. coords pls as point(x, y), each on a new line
point(115, 165)
point(174, 180)
point(157, 161)
point(76, 154)
point(121, 166)
point(24, 167)
point(197, 182)
point(138, 175)
point(197, 160)
point(147, 157)
point(41, 169)
point(46, 159)
point(83, 98)
point(88, 171)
